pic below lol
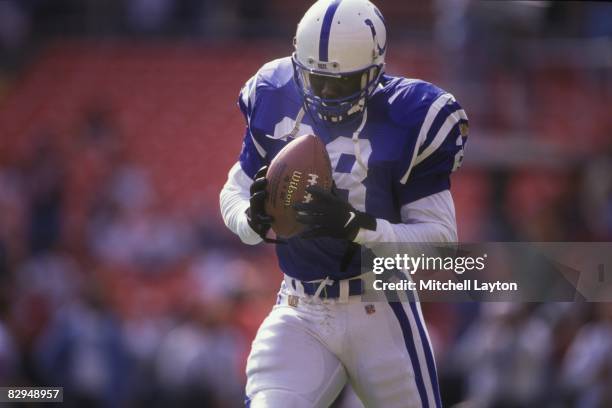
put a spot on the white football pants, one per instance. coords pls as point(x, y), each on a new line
point(308, 348)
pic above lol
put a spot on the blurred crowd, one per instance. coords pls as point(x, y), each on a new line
point(126, 300)
point(111, 296)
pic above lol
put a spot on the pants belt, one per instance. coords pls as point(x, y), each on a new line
point(355, 288)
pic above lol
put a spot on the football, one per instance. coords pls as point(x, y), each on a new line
point(303, 162)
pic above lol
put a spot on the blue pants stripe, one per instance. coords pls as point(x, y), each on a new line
point(431, 365)
point(402, 318)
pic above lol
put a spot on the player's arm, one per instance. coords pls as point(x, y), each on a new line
point(242, 197)
point(423, 187)
point(429, 219)
point(427, 208)
point(235, 202)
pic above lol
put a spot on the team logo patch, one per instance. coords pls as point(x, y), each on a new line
point(370, 309)
point(463, 128)
point(292, 300)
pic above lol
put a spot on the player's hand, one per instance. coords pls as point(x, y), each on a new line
point(258, 220)
point(327, 215)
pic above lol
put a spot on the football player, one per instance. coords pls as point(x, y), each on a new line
point(393, 143)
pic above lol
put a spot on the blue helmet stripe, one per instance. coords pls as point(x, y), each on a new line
point(326, 29)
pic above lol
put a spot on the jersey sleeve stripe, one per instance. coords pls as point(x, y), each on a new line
point(247, 100)
point(437, 123)
point(431, 115)
point(451, 121)
point(248, 93)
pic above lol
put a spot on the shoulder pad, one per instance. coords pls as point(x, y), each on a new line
point(275, 74)
point(409, 99)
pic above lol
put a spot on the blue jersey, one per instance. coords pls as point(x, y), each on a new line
point(410, 143)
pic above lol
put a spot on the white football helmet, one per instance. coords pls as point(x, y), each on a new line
point(339, 57)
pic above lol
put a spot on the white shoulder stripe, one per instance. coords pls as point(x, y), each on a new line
point(252, 90)
point(450, 121)
point(401, 91)
point(248, 92)
point(433, 111)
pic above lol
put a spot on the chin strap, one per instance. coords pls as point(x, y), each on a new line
point(298, 122)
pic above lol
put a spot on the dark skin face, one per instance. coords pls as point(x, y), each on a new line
point(334, 88)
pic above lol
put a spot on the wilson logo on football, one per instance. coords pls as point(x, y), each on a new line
point(293, 186)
